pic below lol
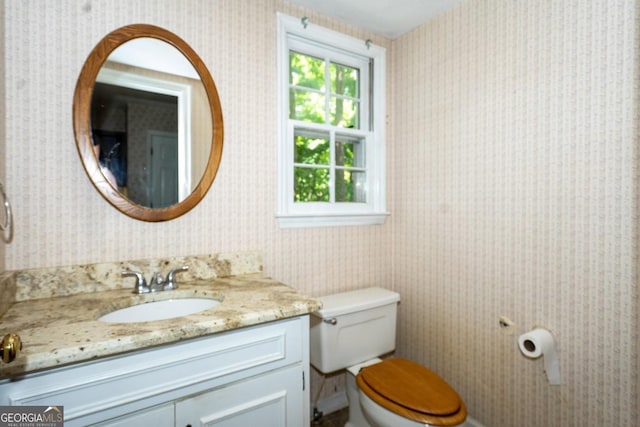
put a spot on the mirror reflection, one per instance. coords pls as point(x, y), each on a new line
point(151, 124)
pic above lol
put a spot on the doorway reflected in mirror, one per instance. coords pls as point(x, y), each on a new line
point(138, 136)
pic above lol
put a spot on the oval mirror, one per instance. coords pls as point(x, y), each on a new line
point(148, 123)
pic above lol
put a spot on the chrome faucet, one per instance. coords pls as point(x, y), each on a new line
point(157, 284)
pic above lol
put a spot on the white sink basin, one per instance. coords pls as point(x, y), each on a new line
point(159, 310)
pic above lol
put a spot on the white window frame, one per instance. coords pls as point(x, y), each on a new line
point(291, 32)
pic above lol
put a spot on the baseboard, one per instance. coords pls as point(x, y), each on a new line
point(472, 423)
point(333, 403)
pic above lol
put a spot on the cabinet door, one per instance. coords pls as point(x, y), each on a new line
point(270, 400)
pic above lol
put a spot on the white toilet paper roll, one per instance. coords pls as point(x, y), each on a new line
point(540, 342)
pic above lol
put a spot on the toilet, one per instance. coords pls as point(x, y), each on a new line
point(351, 331)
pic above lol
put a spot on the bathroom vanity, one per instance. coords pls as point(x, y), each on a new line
point(243, 362)
point(251, 376)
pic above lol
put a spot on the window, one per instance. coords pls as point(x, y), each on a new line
point(331, 128)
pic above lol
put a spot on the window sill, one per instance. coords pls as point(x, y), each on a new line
point(302, 221)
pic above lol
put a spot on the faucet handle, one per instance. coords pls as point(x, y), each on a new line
point(170, 283)
point(141, 284)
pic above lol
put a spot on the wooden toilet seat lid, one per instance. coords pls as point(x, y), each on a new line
point(411, 386)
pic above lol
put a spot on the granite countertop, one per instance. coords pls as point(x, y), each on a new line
point(62, 330)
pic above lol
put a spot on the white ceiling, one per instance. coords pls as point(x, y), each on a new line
point(389, 18)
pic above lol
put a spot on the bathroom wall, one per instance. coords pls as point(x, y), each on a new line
point(515, 193)
point(60, 219)
point(2, 124)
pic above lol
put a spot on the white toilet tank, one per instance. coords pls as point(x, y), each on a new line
point(353, 327)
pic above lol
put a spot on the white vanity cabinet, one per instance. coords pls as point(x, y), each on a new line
point(256, 375)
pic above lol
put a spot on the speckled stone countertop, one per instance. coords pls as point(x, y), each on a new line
point(65, 329)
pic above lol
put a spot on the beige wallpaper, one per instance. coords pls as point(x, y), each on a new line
point(3, 123)
point(512, 184)
point(61, 220)
point(515, 193)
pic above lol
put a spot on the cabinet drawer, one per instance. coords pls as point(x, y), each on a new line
point(159, 416)
point(110, 387)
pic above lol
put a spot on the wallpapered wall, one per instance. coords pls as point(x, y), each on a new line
point(515, 194)
point(2, 124)
point(62, 220)
point(512, 184)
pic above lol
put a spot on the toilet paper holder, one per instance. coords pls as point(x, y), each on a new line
point(540, 342)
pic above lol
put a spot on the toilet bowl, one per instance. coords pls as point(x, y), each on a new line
point(398, 392)
point(350, 332)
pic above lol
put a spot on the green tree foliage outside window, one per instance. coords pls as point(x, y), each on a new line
point(326, 93)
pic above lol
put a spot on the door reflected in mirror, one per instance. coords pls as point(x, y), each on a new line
point(153, 120)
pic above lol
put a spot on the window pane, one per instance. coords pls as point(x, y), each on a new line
point(311, 148)
point(306, 71)
point(350, 186)
point(344, 113)
point(344, 80)
point(306, 106)
point(311, 184)
point(350, 151)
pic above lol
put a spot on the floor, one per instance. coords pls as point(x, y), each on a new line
point(335, 419)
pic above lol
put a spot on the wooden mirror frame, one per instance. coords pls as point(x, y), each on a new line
point(83, 130)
